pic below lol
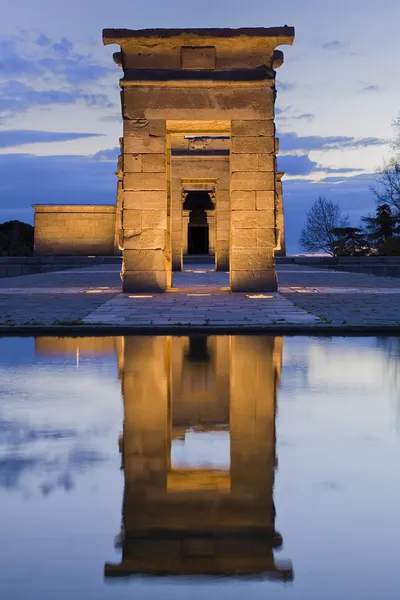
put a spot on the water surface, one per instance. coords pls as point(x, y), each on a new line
point(159, 467)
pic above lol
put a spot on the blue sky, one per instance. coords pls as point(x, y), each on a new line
point(339, 92)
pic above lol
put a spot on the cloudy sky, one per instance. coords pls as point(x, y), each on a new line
point(339, 92)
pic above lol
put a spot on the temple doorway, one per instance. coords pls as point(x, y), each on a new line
point(199, 214)
point(198, 233)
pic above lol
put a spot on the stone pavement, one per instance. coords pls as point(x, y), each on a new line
point(90, 299)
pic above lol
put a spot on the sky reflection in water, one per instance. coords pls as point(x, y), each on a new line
point(198, 454)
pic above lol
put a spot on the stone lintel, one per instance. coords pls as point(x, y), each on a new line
point(283, 35)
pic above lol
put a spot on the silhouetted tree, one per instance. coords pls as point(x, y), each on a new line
point(387, 190)
point(16, 239)
point(323, 217)
point(350, 241)
point(391, 247)
point(382, 226)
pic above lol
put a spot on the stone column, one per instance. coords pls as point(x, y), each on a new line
point(118, 238)
point(280, 219)
point(177, 199)
point(222, 216)
point(185, 230)
point(146, 264)
point(211, 231)
point(253, 167)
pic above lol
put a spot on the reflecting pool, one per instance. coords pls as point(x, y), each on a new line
point(175, 467)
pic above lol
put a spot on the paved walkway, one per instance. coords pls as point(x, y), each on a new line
point(308, 300)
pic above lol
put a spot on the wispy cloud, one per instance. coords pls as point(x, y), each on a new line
point(333, 45)
point(17, 97)
point(291, 141)
point(41, 71)
point(283, 86)
point(20, 137)
point(372, 88)
point(24, 57)
point(305, 117)
point(302, 165)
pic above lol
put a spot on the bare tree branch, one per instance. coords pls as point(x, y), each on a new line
point(322, 218)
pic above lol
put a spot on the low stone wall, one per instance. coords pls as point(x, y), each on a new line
point(74, 230)
point(31, 265)
point(382, 266)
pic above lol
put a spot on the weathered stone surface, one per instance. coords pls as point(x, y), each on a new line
point(145, 181)
point(154, 163)
point(267, 162)
point(202, 103)
point(154, 219)
point(148, 239)
point(244, 162)
point(144, 260)
point(253, 145)
point(254, 128)
point(252, 219)
point(223, 234)
point(222, 258)
point(144, 127)
point(254, 281)
point(251, 259)
point(132, 163)
point(144, 145)
point(200, 58)
point(243, 200)
point(75, 230)
point(132, 219)
point(151, 200)
point(265, 238)
point(265, 200)
point(144, 281)
point(253, 180)
point(248, 238)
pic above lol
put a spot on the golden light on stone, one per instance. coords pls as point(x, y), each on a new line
point(258, 297)
point(199, 294)
point(140, 296)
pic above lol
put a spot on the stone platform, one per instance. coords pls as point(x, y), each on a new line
point(90, 300)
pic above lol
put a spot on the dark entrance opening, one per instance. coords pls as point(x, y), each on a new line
point(198, 233)
point(198, 229)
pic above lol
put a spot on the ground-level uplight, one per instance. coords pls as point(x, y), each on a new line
point(258, 296)
point(140, 296)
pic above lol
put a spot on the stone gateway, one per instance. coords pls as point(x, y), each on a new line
point(197, 171)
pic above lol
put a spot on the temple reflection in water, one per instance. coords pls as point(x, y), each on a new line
point(198, 454)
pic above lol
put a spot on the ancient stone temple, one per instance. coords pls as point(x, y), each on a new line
point(197, 172)
point(185, 94)
point(185, 513)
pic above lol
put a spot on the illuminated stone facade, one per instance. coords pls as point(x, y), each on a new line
point(202, 84)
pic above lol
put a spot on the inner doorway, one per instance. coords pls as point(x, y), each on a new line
point(198, 233)
point(198, 206)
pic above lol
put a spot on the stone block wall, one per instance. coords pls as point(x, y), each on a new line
point(146, 257)
point(253, 168)
point(74, 230)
